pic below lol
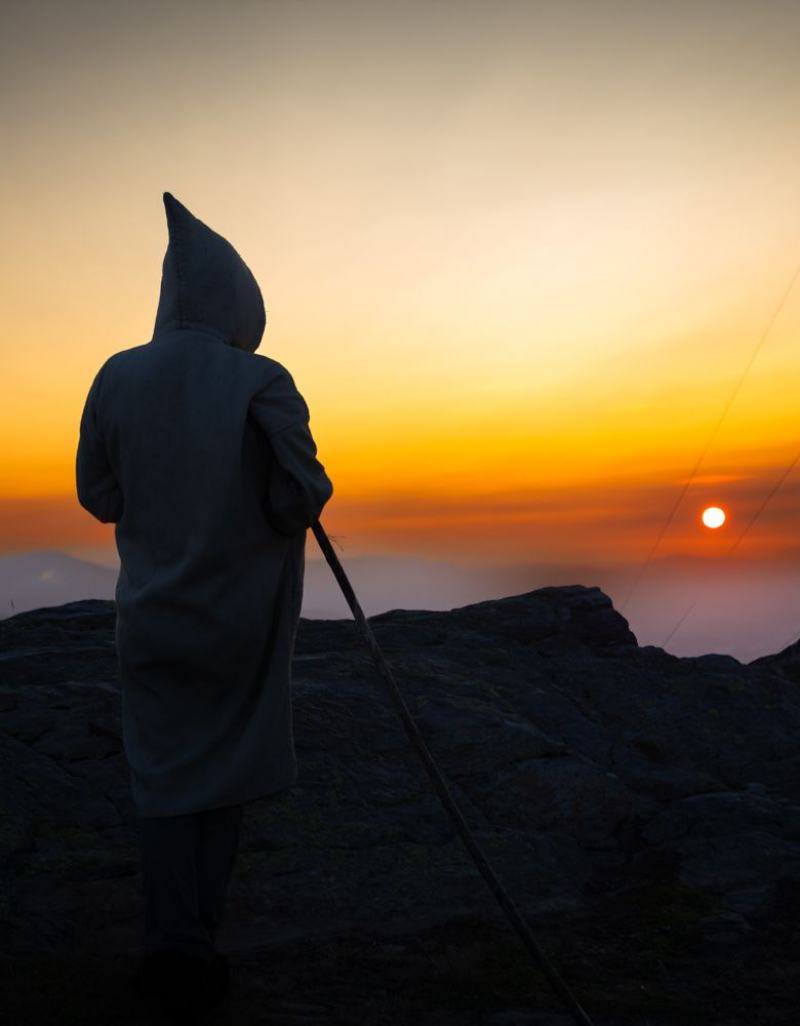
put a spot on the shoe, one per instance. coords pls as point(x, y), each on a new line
point(186, 986)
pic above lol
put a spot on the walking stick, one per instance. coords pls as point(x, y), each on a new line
point(432, 770)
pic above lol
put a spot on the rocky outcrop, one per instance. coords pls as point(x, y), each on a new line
point(591, 771)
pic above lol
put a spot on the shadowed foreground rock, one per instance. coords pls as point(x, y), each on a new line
point(643, 811)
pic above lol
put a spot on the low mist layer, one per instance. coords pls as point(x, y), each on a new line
point(686, 605)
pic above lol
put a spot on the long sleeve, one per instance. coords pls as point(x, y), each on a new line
point(98, 489)
point(298, 485)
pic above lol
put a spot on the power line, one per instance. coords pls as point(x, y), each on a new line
point(760, 509)
point(677, 625)
point(713, 435)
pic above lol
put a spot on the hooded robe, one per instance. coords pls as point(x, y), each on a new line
point(200, 452)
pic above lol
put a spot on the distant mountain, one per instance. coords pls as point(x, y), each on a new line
point(31, 580)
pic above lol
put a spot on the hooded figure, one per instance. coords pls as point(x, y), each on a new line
point(200, 452)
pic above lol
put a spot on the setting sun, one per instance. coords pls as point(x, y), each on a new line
point(713, 516)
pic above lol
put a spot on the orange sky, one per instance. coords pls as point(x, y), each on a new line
point(516, 256)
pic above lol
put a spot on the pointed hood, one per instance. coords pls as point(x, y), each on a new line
point(206, 285)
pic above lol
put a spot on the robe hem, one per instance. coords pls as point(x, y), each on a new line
point(154, 811)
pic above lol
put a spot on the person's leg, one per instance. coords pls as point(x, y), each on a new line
point(169, 870)
point(218, 835)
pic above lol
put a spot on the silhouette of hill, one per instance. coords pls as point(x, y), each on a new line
point(642, 809)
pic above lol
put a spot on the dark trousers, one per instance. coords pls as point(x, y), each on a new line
point(187, 864)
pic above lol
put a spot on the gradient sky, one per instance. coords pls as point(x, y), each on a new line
point(517, 256)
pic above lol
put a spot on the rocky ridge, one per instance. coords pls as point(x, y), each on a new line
point(643, 811)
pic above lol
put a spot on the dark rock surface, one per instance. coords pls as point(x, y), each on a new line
point(642, 810)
